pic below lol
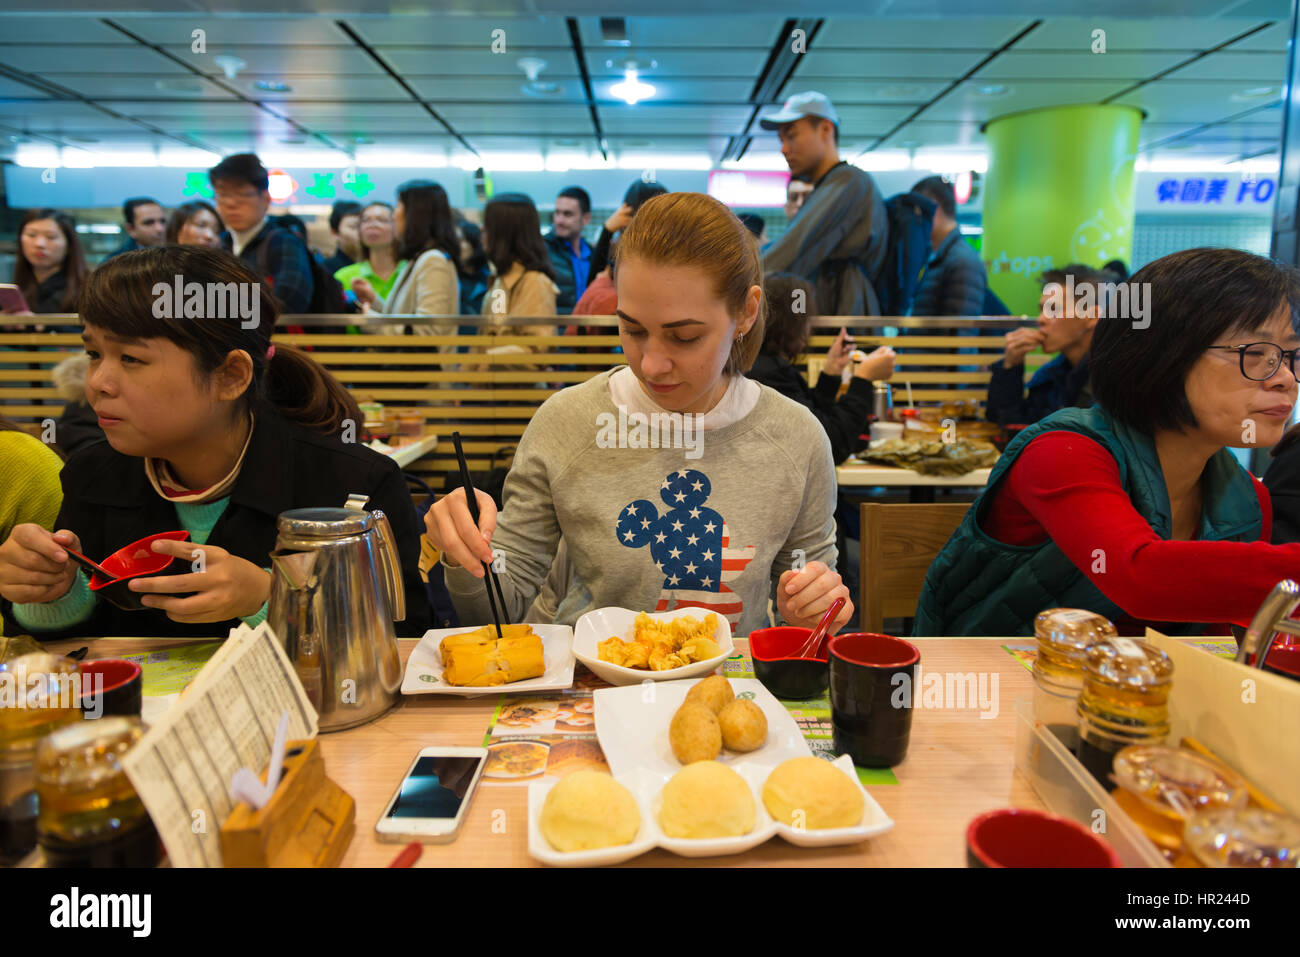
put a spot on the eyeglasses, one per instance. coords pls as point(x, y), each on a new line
point(1259, 360)
point(233, 196)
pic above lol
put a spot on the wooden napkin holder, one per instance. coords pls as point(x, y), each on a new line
point(309, 821)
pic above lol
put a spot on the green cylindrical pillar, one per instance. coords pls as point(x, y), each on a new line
point(1060, 189)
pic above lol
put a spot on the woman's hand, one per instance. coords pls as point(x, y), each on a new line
point(838, 357)
point(619, 219)
point(452, 530)
point(877, 366)
point(34, 568)
point(365, 292)
point(227, 587)
point(1021, 342)
point(804, 596)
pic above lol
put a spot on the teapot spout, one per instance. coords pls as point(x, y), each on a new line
point(295, 567)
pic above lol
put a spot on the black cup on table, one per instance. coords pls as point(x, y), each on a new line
point(111, 686)
point(872, 682)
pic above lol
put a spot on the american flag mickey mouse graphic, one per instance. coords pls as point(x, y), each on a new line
point(690, 545)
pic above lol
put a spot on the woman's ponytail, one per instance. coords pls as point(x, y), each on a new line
point(305, 392)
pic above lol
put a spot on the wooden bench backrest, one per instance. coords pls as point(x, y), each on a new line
point(489, 399)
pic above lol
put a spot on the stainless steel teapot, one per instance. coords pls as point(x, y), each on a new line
point(336, 591)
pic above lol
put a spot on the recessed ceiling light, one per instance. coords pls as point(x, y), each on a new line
point(361, 139)
point(1256, 93)
point(992, 89)
point(542, 88)
point(179, 86)
point(272, 86)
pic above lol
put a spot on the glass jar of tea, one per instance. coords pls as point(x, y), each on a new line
point(90, 815)
point(1244, 837)
point(1161, 788)
point(1064, 637)
point(1124, 700)
point(39, 693)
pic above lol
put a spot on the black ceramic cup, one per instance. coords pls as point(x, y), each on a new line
point(872, 682)
point(112, 686)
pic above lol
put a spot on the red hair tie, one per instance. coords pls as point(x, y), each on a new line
point(270, 353)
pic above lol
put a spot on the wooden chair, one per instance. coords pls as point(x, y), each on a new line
point(897, 545)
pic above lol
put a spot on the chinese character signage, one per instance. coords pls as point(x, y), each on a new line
point(1195, 190)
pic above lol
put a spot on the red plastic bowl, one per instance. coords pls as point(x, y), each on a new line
point(1018, 837)
point(772, 650)
point(123, 685)
point(137, 560)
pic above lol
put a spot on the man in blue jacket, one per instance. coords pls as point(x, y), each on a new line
point(954, 280)
point(1065, 326)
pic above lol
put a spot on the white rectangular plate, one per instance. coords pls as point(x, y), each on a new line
point(647, 789)
point(603, 623)
point(424, 666)
point(632, 725)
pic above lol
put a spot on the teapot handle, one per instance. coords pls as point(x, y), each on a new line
point(392, 566)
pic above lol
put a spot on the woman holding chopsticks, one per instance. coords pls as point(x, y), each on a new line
point(674, 480)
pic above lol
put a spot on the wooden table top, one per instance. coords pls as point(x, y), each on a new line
point(959, 763)
point(859, 474)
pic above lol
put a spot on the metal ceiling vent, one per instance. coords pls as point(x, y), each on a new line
point(614, 30)
point(533, 67)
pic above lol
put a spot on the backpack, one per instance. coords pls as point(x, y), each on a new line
point(910, 217)
point(326, 291)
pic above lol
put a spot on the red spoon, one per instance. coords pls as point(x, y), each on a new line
point(811, 647)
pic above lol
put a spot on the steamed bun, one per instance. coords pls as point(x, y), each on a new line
point(824, 794)
point(707, 799)
point(587, 810)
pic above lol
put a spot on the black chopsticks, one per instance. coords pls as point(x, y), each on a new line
point(489, 576)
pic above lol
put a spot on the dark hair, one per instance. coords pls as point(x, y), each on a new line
point(786, 332)
point(131, 205)
point(74, 259)
point(753, 222)
point(478, 261)
point(940, 190)
point(344, 208)
point(428, 220)
point(1081, 276)
point(183, 213)
point(514, 234)
point(1116, 268)
point(1198, 298)
point(244, 167)
point(814, 120)
point(640, 191)
point(119, 298)
point(578, 193)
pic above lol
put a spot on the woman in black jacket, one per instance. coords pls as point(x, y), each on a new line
point(790, 311)
point(210, 429)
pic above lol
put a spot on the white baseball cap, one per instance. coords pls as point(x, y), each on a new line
point(811, 103)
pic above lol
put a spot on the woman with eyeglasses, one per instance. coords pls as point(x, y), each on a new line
point(379, 263)
point(1135, 508)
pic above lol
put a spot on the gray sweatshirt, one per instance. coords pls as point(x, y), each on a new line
point(653, 529)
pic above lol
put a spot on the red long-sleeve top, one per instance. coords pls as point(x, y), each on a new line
point(1066, 487)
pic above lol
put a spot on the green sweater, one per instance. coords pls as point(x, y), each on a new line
point(79, 602)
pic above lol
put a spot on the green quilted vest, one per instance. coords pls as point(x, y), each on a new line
point(979, 586)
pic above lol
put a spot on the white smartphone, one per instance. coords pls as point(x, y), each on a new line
point(430, 804)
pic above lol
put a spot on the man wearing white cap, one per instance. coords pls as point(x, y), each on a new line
point(837, 240)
